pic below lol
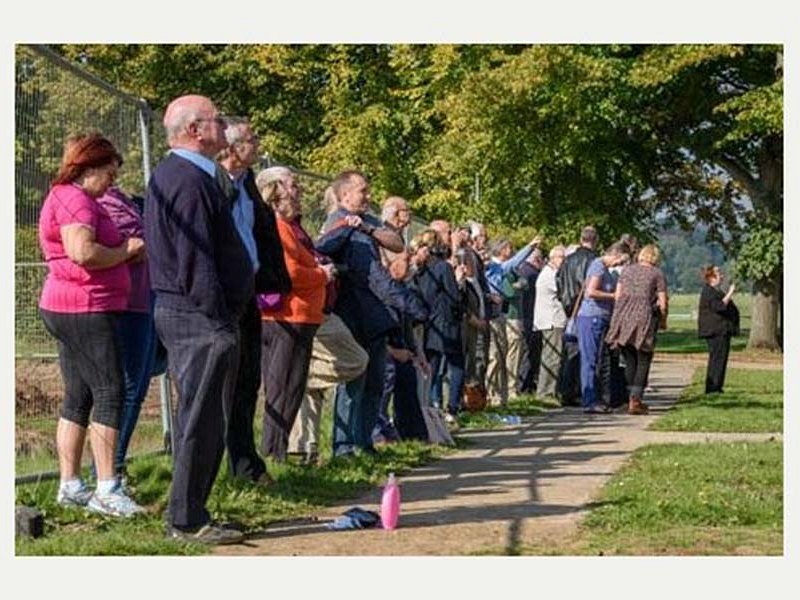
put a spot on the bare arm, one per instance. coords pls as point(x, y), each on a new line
point(82, 248)
point(593, 289)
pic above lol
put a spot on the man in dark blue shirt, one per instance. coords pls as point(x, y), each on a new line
point(366, 290)
point(203, 278)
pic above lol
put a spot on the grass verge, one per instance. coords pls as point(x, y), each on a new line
point(524, 406)
point(298, 492)
point(752, 402)
point(684, 499)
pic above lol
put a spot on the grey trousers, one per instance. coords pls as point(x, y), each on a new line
point(552, 341)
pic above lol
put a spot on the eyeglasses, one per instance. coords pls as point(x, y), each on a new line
point(219, 120)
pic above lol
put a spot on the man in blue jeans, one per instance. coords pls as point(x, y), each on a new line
point(366, 289)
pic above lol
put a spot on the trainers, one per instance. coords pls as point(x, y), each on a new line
point(80, 497)
point(116, 504)
point(210, 534)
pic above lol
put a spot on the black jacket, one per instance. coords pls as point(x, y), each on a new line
point(272, 275)
point(713, 316)
point(444, 328)
point(571, 275)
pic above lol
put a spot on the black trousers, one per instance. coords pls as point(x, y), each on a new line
point(202, 356)
point(637, 369)
point(719, 347)
point(243, 458)
point(529, 363)
point(285, 357)
point(569, 380)
point(91, 366)
point(408, 417)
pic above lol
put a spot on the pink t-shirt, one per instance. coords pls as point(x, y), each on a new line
point(69, 287)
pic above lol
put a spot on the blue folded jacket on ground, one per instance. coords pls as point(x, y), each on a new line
point(355, 518)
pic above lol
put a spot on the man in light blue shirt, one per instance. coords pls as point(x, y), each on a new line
point(498, 271)
point(236, 160)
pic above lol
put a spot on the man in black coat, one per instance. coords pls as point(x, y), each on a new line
point(529, 358)
point(255, 222)
point(569, 282)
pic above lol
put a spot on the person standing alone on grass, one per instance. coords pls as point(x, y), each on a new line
point(717, 322)
point(202, 275)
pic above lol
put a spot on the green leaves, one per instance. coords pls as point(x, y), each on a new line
point(761, 256)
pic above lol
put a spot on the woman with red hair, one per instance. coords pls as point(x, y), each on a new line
point(87, 284)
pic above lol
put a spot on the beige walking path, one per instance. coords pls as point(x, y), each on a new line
point(511, 486)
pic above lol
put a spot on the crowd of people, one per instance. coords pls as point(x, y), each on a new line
point(218, 275)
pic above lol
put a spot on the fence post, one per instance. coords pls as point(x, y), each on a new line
point(163, 380)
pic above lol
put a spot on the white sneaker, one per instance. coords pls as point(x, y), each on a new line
point(450, 419)
point(79, 497)
point(116, 504)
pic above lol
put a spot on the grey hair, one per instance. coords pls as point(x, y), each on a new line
point(234, 129)
point(556, 250)
point(498, 246)
point(177, 120)
point(390, 207)
point(267, 179)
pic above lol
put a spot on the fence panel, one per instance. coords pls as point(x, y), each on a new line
point(53, 100)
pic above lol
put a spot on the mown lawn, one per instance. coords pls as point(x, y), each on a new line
point(685, 499)
point(752, 402)
point(299, 491)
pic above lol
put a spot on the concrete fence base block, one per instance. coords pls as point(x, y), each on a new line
point(29, 522)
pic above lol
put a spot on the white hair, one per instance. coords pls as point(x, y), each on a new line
point(271, 175)
point(176, 121)
point(475, 229)
point(556, 250)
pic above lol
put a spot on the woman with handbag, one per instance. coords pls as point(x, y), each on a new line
point(640, 307)
point(288, 329)
point(593, 319)
point(717, 321)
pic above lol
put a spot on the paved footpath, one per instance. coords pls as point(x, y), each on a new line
point(511, 486)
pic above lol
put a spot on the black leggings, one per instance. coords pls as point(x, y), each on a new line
point(89, 356)
point(637, 369)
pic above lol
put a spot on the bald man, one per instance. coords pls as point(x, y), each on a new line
point(202, 276)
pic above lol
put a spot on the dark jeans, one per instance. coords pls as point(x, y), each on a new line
point(384, 427)
point(203, 356)
point(719, 347)
point(569, 380)
point(89, 357)
point(138, 342)
point(408, 419)
point(243, 458)
point(357, 401)
point(284, 366)
point(454, 365)
point(637, 369)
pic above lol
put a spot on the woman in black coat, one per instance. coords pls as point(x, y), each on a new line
point(717, 321)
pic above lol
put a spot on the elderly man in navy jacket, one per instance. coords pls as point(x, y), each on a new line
point(203, 279)
point(365, 292)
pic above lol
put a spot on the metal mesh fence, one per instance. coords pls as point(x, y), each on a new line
point(54, 99)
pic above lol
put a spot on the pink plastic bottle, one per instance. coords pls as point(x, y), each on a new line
point(390, 503)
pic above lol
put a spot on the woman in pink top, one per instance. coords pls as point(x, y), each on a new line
point(87, 285)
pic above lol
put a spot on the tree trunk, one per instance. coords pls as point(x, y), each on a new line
point(764, 325)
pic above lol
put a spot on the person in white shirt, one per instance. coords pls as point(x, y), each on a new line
point(550, 319)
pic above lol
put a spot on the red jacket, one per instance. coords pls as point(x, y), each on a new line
point(305, 302)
